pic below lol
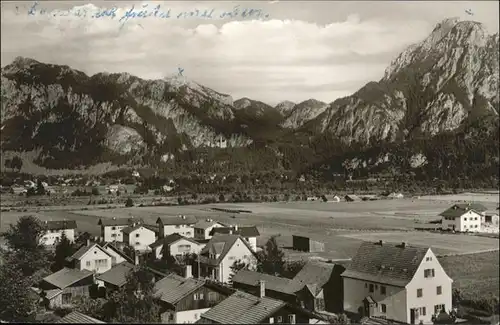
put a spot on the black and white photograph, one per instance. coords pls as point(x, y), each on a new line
point(250, 162)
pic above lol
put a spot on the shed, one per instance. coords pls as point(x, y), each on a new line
point(306, 244)
point(490, 217)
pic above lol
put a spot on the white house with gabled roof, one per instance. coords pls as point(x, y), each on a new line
point(397, 282)
point(463, 217)
point(183, 225)
point(91, 257)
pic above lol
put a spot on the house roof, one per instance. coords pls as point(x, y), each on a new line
point(118, 221)
point(84, 250)
point(352, 197)
point(458, 210)
point(252, 278)
point(117, 275)
point(173, 288)
point(49, 294)
point(130, 229)
point(170, 239)
point(386, 263)
point(243, 308)
point(59, 224)
point(154, 228)
point(78, 318)
point(205, 224)
point(115, 249)
point(314, 275)
point(242, 231)
point(66, 277)
point(177, 220)
point(221, 244)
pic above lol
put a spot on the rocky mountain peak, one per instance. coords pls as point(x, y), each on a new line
point(285, 107)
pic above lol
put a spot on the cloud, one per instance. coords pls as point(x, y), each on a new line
point(274, 59)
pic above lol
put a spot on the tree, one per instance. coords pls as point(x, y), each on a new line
point(271, 258)
point(24, 241)
point(40, 189)
point(129, 203)
point(95, 191)
point(64, 249)
point(88, 306)
point(17, 163)
point(18, 301)
point(237, 266)
point(136, 302)
point(222, 198)
point(8, 163)
point(323, 197)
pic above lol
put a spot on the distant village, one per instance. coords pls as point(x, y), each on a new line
point(212, 274)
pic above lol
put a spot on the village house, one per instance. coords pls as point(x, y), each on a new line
point(203, 228)
point(117, 256)
point(116, 277)
point(306, 244)
point(177, 245)
point(317, 287)
point(111, 228)
point(139, 237)
point(221, 252)
point(55, 229)
point(76, 317)
point(250, 233)
point(463, 217)
point(244, 308)
point(59, 288)
point(91, 257)
point(183, 300)
point(182, 225)
point(397, 282)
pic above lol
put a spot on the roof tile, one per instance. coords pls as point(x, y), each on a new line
point(117, 275)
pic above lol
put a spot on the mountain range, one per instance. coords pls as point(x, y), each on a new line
point(67, 119)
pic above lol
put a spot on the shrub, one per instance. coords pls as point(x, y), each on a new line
point(95, 191)
point(129, 203)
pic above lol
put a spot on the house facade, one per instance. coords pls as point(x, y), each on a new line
point(221, 252)
point(117, 256)
point(55, 229)
point(184, 300)
point(183, 225)
point(111, 228)
point(178, 246)
point(203, 228)
point(250, 233)
point(91, 257)
point(139, 237)
point(397, 282)
point(463, 218)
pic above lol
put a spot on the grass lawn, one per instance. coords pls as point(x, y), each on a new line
point(476, 275)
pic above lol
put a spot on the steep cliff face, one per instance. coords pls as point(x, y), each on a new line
point(285, 107)
point(63, 111)
point(447, 80)
point(303, 112)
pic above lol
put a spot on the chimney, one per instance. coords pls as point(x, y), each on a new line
point(189, 272)
point(136, 258)
point(262, 286)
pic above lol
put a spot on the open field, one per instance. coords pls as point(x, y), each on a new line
point(474, 274)
point(485, 197)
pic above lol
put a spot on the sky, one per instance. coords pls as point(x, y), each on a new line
point(296, 51)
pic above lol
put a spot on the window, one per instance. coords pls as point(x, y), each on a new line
point(439, 290)
point(366, 285)
point(291, 319)
point(66, 298)
point(371, 287)
point(383, 290)
point(212, 296)
point(113, 228)
point(419, 293)
point(422, 311)
point(88, 263)
point(271, 320)
point(136, 235)
point(383, 308)
point(201, 296)
point(137, 243)
point(428, 258)
point(113, 235)
point(465, 219)
point(177, 226)
point(231, 258)
point(279, 319)
point(438, 308)
point(196, 296)
point(429, 273)
point(376, 286)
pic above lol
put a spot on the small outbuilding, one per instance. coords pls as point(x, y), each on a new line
point(306, 244)
point(352, 198)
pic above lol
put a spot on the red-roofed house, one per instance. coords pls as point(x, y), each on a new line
point(220, 253)
point(398, 282)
